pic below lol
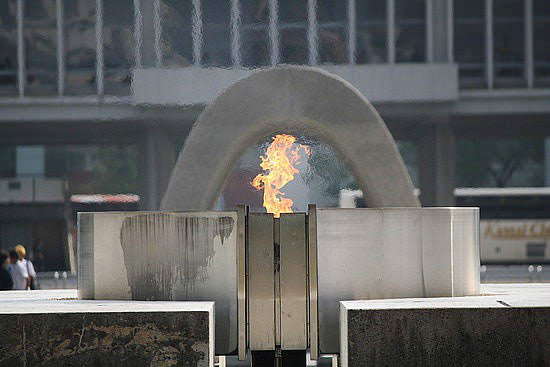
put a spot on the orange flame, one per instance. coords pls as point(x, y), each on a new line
point(279, 160)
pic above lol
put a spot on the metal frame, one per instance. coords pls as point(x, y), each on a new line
point(312, 282)
point(352, 32)
point(529, 56)
point(242, 215)
point(99, 47)
point(390, 20)
point(429, 32)
point(21, 72)
point(60, 47)
point(235, 33)
point(274, 31)
point(293, 281)
point(261, 293)
point(157, 26)
point(450, 31)
point(138, 36)
point(489, 58)
point(197, 32)
point(312, 32)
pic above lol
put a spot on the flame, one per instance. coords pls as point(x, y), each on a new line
point(279, 162)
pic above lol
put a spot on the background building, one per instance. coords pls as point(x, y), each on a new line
point(97, 96)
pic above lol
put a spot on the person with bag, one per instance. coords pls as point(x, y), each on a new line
point(28, 266)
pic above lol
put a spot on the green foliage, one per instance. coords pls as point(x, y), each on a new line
point(500, 163)
point(115, 170)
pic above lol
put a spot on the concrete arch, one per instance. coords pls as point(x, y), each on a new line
point(289, 97)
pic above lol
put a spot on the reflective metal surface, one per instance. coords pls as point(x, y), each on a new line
point(293, 281)
point(392, 253)
point(242, 212)
point(261, 279)
point(312, 282)
point(164, 256)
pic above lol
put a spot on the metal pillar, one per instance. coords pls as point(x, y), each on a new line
point(437, 156)
point(156, 159)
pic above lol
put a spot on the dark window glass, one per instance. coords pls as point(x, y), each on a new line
point(80, 47)
point(216, 47)
point(40, 36)
point(508, 43)
point(371, 32)
point(333, 28)
point(500, 162)
point(8, 47)
point(7, 161)
point(177, 39)
point(255, 42)
point(293, 31)
point(541, 33)
point(410, 30)
point(469, 42)
point(118, 46)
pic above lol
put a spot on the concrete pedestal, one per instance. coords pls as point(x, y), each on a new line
point(54, 332)
point(509, 325)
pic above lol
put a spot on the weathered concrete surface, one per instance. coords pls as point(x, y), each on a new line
point(392, 253)
point(296, 99)
point(106, 333)
point(508, 326)
point(163, 256)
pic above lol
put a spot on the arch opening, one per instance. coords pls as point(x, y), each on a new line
point(288, 99)
point(321, 176)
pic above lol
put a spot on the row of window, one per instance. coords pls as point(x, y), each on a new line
point(65, 30)
point(500, 43)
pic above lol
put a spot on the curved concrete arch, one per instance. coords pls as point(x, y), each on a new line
point(306, 99)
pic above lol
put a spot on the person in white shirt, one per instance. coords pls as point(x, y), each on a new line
point(18, 272)
point(28, 265)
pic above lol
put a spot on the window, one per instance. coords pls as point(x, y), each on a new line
point(541, 32)
point(118, 46)
point(508, 43)
point(216, 47)
point(372, 35)
point(469, 42)
point(410, 30)
point(176, 39)
point(8, 47)
point(255, 40)
point(40, 34)
point(80, 47)
point(333, 31)
point(293, 24)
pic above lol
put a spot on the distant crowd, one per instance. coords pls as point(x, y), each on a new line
point(16, 272)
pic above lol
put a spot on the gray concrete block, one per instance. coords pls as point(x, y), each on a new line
point(502, 328)
point(163, 256)
point(106, 333)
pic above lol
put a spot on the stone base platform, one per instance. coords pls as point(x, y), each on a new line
point(49, 328)
point(508, 325)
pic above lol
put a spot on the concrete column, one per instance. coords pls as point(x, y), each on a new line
point(436, 158)
point(441, 30)
point(157, 157)
point(148, 52)
point(547, 161)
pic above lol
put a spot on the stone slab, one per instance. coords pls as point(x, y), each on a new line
point(54, 332)
point(163, 256)
point(509, 324)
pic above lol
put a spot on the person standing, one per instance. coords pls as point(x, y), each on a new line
point(18, 272)
point(6, 283)
point(28, 265)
